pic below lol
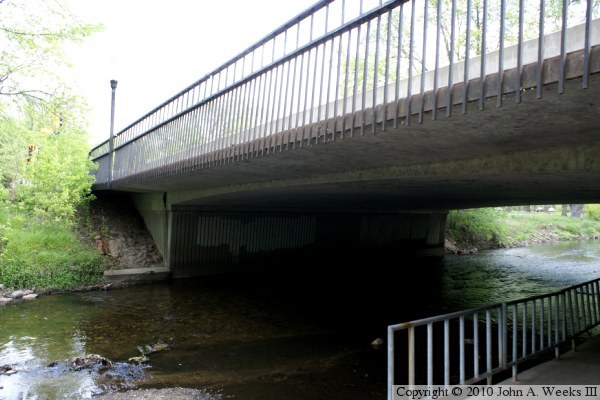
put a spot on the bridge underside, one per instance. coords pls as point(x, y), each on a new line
point(200, 241)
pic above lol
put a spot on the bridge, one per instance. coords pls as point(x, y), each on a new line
point(355, 126)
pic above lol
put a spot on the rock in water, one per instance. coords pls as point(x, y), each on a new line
point(17, 294)
point(377, 343)
point(89, 361)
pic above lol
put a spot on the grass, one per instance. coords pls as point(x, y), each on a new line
point(45, 255)
point(498, 228)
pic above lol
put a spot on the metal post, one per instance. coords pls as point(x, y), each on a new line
point(111, 154)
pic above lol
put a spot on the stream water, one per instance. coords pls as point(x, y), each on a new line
point(245, 337)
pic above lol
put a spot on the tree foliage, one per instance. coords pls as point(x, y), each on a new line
point(44, 165)
point(406, 32)
point(32, 38)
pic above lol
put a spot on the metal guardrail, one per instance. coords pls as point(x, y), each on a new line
point(343, 66)
point(481, 342)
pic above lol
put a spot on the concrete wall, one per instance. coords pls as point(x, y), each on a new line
point(157, 217)
point(210, 242)
point(196, 241)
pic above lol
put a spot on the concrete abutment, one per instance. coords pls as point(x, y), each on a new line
point(198, 241)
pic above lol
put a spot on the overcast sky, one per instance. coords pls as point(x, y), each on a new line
point(155, 48)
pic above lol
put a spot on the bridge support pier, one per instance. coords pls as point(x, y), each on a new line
point(196, 241)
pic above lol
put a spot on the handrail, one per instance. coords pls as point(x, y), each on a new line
point(311, 11)
point(524, 328)
point(362, 69)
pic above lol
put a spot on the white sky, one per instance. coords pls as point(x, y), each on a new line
point(155, 48)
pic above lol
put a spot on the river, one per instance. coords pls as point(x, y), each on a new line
point(260, 337)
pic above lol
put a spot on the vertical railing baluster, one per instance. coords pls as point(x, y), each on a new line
point(363, 105)
point(475, 345)
point(411, 59)
point(258, 113)
point(314, 103)
point(499, 332)
point(461, 349)
point(488, 346)
point(273, 120)
point(375, 76)
point(388, 49)
point(328, 92)
point(430, 353)
point(281, 99)
point(578, 311)
point(446, 352)
point(483, 52)
point(515, 333)
point(346, 80)
point(306, 94)
point(533, 326)
point(355, 86)
point(290, 125)
point(504, 338)
point(424, 59)
point(411, 355)
point(541, 335)
point(436, 70)
point(564, 315)
point(451, 64)
point(590, 319)
point(586, 47)
point(398, 65)
point(299, 108)
point(540, 62)
point(264, 112)
point(571, 317)
point(563, 48)
point(519, 76)
point(391, 365)
point(465, 98)
point(557, 308)
point(524, 338)
point(337, 89)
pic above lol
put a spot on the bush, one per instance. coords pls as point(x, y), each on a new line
point(46, 255)
point(476, 225)
point(592, 211)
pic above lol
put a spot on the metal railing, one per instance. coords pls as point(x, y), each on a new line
point(348, 66)
point(471, 346)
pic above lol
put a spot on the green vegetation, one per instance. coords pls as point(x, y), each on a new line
point(487, 227)
point(44, 254)
point(44, 163)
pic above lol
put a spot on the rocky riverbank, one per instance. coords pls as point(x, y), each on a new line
point(6, 295)
point(473, 246)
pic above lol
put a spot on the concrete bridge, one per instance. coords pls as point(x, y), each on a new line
point(300, 148)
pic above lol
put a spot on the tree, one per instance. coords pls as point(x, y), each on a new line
point(43, 147)
point(32, 40)
point(576, 210)
point(452, 43)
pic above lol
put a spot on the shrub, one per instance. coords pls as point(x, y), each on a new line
point(592, 211)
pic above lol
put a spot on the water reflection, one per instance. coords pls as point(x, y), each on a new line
point(305, 337)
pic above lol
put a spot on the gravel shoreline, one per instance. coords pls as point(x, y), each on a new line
point(161, 394)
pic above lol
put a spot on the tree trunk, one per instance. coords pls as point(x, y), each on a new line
point(564, 210)
point(576, 210)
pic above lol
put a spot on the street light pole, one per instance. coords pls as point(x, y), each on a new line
point(111, 145)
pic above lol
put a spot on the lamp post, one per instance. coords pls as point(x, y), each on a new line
point(111, 145)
